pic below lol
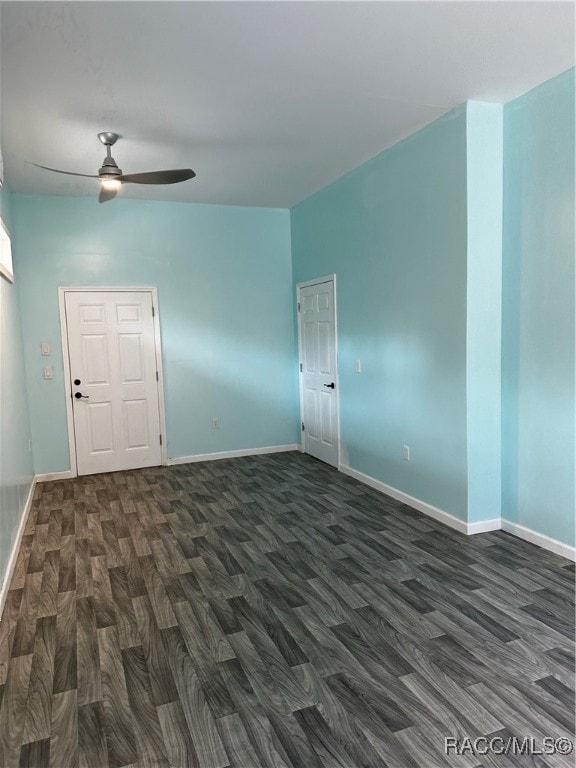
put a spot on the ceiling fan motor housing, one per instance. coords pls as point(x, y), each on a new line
point(109, 168)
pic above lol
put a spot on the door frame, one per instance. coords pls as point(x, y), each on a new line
point(62, 291)
point(299, 286)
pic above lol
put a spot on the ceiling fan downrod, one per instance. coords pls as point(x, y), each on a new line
point(109, 165)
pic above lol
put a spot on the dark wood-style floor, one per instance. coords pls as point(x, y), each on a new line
point(269, 611)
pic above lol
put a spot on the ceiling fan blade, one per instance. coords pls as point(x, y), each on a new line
point(67, 173)
point(106, 194)
point(159, 177)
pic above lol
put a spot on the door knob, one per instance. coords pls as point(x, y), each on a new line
point(78, 395)
point(330, 386)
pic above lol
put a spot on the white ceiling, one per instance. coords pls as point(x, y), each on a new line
point(266, 101)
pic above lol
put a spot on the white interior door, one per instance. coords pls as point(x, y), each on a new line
point(317, 333)
point(112, 353)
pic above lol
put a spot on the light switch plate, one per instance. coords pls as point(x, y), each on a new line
point(48, 373)
point(45, 348)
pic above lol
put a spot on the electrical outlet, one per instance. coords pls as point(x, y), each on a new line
point(215, 422)
point(406, 453)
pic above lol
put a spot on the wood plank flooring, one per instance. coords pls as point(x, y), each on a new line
point(271, 612)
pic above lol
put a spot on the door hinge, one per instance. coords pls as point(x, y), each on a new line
point(160, 439)
point(301, 369)
point(302, 426)
point(298, 306)
point(153, 312)
point(157, 379)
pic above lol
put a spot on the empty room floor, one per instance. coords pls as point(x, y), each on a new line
point(270, 611)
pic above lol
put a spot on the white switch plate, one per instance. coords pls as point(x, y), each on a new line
point(358, 366)
point(45, 348)
point(406, 453)
point(48, 372)
point(215, 422)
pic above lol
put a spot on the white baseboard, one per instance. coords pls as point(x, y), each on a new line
point(421, 506)
point(232, 454)
point(50, 476)
point(546, 542)
point(484, 526)
point(16, 546)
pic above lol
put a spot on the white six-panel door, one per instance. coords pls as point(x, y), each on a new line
point(112, 354)
point(317, 332)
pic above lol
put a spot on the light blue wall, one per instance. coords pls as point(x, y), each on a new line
point(224, 286)
point(538, 319)
point(484, 142)
point(395, 233)
point(16, 466)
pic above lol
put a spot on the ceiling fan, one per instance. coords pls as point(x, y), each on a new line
point(111, 177)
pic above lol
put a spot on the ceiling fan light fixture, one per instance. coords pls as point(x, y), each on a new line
point(111, 184)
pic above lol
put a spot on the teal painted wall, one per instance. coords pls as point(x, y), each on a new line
point(395, 233)
point(538, 428)
point(16, 465)
point(224, 286)
point(484, 144)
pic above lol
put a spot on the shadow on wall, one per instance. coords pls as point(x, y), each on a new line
point(242, 379)
point(431, 483)
point(246, 418)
